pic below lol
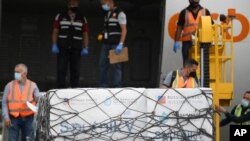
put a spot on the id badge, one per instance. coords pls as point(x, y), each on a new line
point(105, 35)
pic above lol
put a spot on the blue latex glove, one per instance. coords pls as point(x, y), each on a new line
point(118, 48)
point(177, 46)
point(55, 49)
point(85, 51)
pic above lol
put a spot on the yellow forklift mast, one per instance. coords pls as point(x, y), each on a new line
point(213, 48)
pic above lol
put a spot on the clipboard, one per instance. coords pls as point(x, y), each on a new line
point(122, 57)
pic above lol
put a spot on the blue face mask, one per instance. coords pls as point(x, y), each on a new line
point(18, 76)
point(105, 7)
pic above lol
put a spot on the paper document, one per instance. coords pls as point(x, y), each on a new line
point(32, 107)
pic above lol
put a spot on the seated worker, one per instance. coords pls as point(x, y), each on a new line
point(240, 113)
point(183, 78)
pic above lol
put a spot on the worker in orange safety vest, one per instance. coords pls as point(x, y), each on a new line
point(17, 115)
point(183, 78)
point(187, 25)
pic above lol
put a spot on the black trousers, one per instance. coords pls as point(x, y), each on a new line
point(71, 57)
point(186, 46)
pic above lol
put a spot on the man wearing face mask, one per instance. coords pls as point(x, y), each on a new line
point(69, 42)
point(240, 113)
point(114, 35)
point(183, 78)
point(186, 26)
point(16, 114)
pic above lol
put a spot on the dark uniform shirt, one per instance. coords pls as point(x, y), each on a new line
point(230, 117)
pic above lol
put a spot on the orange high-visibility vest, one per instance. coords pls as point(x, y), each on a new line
point(191, 24)
point(17, 100)
point(180, 83)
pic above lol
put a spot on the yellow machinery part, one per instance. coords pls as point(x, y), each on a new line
point(221, 61)
point(205, 30)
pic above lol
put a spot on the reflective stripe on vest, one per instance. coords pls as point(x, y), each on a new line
point(238, 111)
point(180, 83)
point(115, 33)
point(63, 23)
point(17, 100)
point(191, 24)
point(79, 24)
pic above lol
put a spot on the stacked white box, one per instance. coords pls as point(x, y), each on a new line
point(126, 114)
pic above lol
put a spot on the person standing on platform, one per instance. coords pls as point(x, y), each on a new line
point(186, 26)
point(69, 42)
point(114, 34)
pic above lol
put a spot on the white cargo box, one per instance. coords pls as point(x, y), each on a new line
point(126, 114)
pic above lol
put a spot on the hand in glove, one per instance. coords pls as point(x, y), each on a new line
point(55, 49)
point(177, 46)
point(118, 48)
point(85, 51)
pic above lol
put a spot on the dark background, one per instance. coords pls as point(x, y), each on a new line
point(26, 37)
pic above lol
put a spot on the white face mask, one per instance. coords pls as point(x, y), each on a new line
point(244, 103)
point(18, 76)
point(105, 7)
